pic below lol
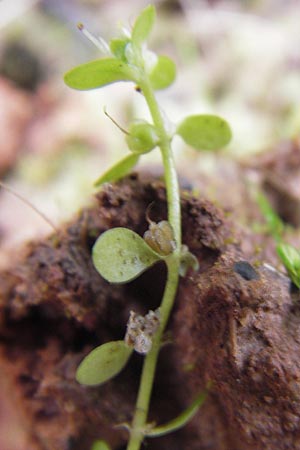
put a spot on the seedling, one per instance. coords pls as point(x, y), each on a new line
point(274, 224)
point(290, 257)
point(288, 254)
point(120, 254)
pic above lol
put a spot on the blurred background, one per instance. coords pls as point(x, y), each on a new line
point(238, 59)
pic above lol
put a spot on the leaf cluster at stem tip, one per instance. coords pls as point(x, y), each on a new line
point(130, 61)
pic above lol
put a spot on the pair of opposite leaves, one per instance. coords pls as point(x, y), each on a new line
point(120, 255)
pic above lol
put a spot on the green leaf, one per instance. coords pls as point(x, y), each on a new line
point(103, 363)
point(100, 445)
point(275, 225)
point(290, 257)
point(143, 25)
point(141, 137)
point(163, 73)
point(118, 48)
point(98, 73)
point(179, 421)
point(119, 170)
point(120, 255)
point(205, 131)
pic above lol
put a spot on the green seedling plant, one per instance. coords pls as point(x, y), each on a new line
point(287, 253)
point(119, 254)
point(290, 257)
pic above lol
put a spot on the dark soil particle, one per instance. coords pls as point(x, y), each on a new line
point(234, 324)
point(246, 271)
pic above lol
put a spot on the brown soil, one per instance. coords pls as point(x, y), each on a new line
point(236, 323)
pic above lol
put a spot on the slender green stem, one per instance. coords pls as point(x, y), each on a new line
point(171, 179)
point(174, 217)
point(149, 367)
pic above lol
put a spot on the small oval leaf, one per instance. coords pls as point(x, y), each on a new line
point(98, 73)
point(141, 137)
point(119, 170)
point(100, 445)
point(120, 255)
point(103, 363)
point(205, 131)
point(179, 421)
point(143, 25)
point(163, 73)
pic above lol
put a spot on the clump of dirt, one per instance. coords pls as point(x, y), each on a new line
point(235, 324)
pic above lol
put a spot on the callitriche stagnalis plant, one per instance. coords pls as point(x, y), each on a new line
point(120, 254)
